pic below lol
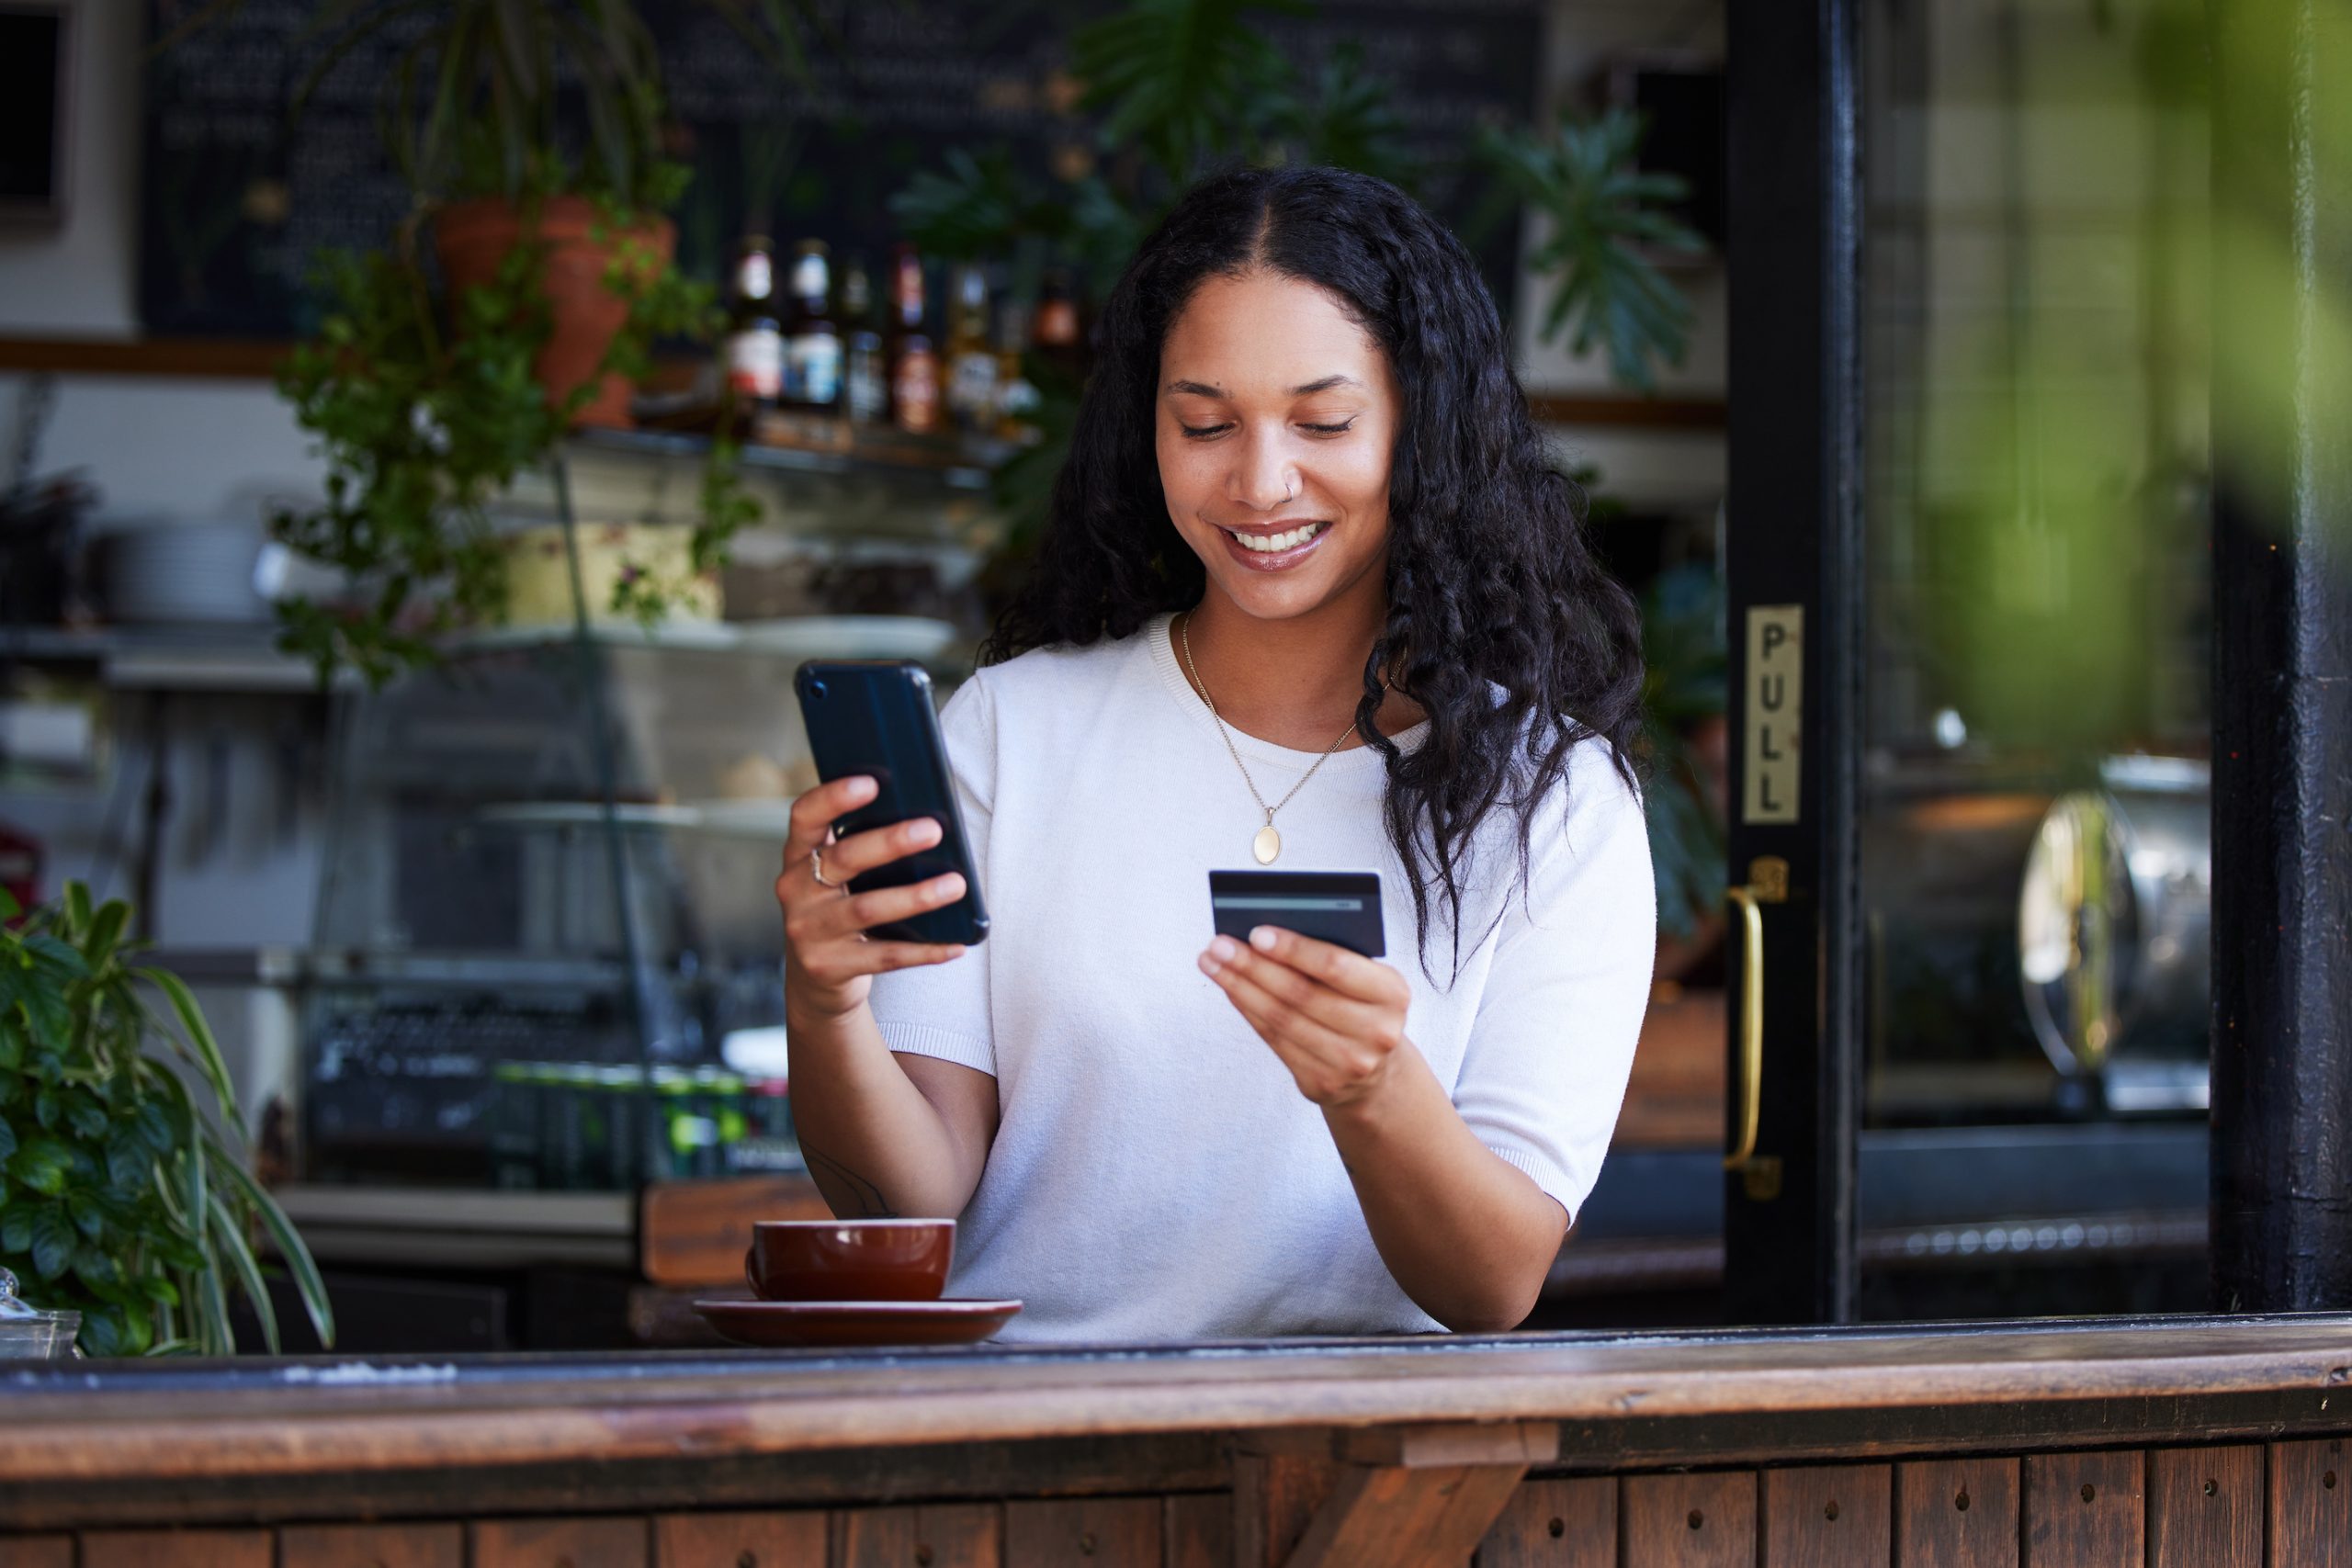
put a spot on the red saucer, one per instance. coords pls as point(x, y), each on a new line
point(776, 1324)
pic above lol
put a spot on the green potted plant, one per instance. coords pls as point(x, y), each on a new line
point(118, 1198)
point(431, 388)
point(1606, 221)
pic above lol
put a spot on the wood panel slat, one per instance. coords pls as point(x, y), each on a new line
point(372, 1546)
point(2205, 1507)
point(1701, 1520)
point(1084, 1532)
point(2085, 1510)
point(1828, 1516)
point(2311, 1504)
point(1395, 1516)
point(177, 1549)
point(956, 1535)
point(1556, 1523)
point(560, 1544)
point(1197, 1530)
point(1275, 1496)
point(41, 1551)
point(741, 1539)
point(1956, 1514)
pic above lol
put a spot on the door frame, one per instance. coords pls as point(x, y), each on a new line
point(1793, 536)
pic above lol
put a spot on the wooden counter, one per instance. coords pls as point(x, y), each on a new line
point(2203, 1442)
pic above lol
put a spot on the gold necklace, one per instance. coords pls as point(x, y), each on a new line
point(1267, 844)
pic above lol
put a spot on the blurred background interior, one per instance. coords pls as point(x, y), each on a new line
point(462, 829)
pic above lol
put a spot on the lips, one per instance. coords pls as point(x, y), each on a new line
point(1272, 549)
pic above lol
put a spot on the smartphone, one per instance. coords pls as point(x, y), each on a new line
point(1339, 907)
point(876, 717)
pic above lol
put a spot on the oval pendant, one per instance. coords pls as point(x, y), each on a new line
point(1266, 845)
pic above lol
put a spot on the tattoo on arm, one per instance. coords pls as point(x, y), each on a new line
point(853, 1197)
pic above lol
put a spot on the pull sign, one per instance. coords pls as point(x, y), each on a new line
point(1775, 709)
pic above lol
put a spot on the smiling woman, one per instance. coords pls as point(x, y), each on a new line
point(1303, 497)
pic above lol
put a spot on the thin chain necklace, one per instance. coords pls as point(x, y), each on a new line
point(1268, 843)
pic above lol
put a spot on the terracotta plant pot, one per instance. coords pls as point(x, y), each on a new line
point(474, 237)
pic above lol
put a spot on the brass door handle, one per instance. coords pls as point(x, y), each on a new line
point(1768, 883)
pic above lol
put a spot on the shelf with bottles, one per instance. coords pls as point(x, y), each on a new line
point(861, 373)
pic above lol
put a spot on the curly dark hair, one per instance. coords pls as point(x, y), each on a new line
point(1501, 624)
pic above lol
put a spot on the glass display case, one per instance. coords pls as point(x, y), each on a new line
point(547, 945)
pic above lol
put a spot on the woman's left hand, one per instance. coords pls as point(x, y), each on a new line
point(1336, 1018)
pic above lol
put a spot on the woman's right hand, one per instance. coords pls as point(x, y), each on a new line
point(828, 961)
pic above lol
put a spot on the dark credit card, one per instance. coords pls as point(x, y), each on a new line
point(1339, 907)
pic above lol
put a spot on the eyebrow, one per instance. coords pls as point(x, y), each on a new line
point(1203, 389)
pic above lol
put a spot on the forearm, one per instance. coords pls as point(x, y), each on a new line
point(876, 1145)
point(1469, 1237)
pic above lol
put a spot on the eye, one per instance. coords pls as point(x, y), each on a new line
point(1340, 429)
point(1202, 432)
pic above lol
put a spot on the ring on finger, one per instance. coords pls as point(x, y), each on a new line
point(817, 869)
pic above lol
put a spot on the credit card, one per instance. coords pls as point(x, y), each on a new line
point(1338, 906)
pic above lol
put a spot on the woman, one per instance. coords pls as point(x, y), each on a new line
point(1308, 567)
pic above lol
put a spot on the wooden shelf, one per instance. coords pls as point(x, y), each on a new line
point(243, 359)
point(1620, 411)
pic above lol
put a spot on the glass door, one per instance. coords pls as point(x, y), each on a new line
point(1967, 562)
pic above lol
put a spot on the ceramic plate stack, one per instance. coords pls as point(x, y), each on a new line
point(184, 572)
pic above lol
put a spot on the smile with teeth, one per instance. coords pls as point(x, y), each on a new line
point(1272, 544)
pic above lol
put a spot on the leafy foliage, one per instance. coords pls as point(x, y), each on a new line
point(1605, 219)
point(1179, 87)
point(117, 1198)
point(423, 428)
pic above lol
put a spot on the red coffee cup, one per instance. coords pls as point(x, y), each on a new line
point(849, 1260)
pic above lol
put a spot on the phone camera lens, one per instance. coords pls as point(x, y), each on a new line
point(816, 688)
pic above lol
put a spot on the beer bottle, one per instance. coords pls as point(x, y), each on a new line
point(1059, 341)
point(812, 375)
point(1016, 395)
point(752, 351)
point(971, 360)
point(865, 372)
point(914, 363)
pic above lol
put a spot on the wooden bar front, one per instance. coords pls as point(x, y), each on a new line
point(2213, 1442)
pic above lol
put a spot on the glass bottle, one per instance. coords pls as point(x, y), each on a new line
point(971, 361)
point(752, 351)
point(812, 375)
point(914, 362)
point(865, 372)
point(1059, 341)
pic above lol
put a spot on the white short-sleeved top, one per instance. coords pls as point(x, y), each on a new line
point(1157, 1174)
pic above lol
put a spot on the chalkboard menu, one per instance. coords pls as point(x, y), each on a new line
point(238, 196)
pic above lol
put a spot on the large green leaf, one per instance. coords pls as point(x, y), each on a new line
point(229, 1241)
point(1604, 220)
point(54, 1241)
point(105, 930)
point(289, 1245)
point(199, 1038)
point(42, 1163)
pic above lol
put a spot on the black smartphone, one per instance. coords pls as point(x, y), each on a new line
point(1339, 907)
point(876, 717)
